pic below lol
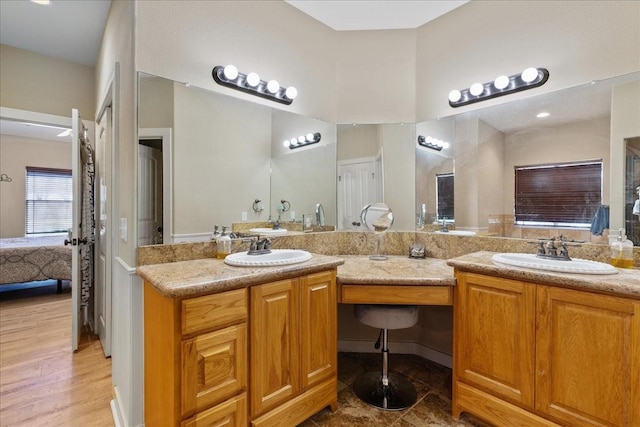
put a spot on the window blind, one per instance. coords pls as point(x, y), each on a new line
point(564, 194)
point(49, 200)
point(444, 183)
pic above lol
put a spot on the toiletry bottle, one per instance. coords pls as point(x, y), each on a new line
point(622, 251)
point(223, 244)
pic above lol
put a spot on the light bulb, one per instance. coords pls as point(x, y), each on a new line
point(273, 86)
point(455, 95)
point(294, 141)
point(286, 143)
point(231, 72)
point(529, 74)
point(291, 92)
point(476, 89)
point(501, 82)
point(253, 79)
point(445, 145)
point(310, 137)
point(542, 115)
point(301, 139)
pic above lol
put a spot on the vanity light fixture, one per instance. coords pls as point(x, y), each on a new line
point(502, 85)
point(433, 143)
point(302, 141)
point(229, 76)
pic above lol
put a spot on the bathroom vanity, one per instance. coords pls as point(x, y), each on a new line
point(239, 346)
point(544, 349)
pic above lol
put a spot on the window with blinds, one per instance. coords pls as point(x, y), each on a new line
point(444, 195)
point(49, 200)
point(558, 195)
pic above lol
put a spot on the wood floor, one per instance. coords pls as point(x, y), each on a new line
point(42, 382)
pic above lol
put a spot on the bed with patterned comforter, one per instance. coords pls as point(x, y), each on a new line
point(30, 259)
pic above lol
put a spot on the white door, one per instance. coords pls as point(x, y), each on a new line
point(102, 309)
point(357, 187)
point(149, 195)
point(75, 234)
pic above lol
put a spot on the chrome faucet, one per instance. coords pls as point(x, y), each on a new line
point(547, 248)
point(276, 225)
point(445, 227)
point(258, 246)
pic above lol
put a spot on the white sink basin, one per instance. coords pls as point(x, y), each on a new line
point(268, 231)
point(576, 265)
point(457, 232)
point(276, 257)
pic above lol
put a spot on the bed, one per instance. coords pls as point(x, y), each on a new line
point(30, 259)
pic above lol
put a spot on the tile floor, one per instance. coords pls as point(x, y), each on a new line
point(431, 380)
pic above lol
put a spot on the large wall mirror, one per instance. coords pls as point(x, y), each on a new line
point(206, 158)
point(488, 143)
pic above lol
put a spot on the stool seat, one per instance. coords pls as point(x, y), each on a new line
point(382, 389)
point(387, 316)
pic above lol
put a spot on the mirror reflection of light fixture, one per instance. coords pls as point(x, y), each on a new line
point(433, 143)
point(502, 85)
point(229, 76)
point(303, 141)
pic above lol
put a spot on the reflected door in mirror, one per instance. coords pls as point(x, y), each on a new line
point(150, 195)
point(357, 187)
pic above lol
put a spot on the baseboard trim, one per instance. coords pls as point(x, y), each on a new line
point(357, 346)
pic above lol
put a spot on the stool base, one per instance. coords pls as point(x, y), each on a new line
point(399, 394)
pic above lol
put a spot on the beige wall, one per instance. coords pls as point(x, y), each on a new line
point(155, 102)
point(398, 143)
point(184, 40)
point(576, 41)
point(118, 48)
point(16, 153)
point(362, 140)
point(35, 82)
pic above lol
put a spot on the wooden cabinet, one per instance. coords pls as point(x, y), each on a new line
point(293, 349)
point(537, 355)
point(264, 355)
point(195, 359)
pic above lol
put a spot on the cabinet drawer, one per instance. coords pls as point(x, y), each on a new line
point(214, 367)
point(211, 311)
point(230, 413)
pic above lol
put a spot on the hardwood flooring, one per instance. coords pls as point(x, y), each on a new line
point(42, 382)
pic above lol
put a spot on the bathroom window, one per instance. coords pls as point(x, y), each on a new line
point(444, 195)
point(558, 195)
point(49, 200)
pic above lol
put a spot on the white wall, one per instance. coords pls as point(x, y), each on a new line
point(576, 41)
point(16, 153)
point(399, 173)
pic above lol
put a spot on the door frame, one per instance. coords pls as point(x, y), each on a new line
point(167, 178)
point(110, 101)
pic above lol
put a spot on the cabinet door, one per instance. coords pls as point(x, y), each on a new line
point(231, 413)
point(494, 336)
point(275, 347)
point(587, 359)
point(214, 367)
point(318, 325)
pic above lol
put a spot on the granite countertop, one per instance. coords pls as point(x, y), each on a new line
point(203, 276)
point(397, 270)
point(626, 283)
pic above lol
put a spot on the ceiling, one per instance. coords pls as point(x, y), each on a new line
point(345, 15)
point(33, 130)
point(66, 29)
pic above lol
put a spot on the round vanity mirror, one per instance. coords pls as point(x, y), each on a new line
point(378, 218)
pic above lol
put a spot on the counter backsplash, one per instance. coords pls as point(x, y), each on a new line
point(363, 243)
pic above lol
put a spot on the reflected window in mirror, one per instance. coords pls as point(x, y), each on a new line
point(558, 195)
point(444, 194)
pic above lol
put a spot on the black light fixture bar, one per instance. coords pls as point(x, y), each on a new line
point(422, 141)
point(251, 83)
point(503, 85)
point(304, 141)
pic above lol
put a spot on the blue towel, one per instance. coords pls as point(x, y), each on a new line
point(600, 220)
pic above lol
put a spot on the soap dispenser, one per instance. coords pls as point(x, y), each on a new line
point(622, 251)
point(223, 244)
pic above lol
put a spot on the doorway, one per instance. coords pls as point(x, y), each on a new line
point(154, 186)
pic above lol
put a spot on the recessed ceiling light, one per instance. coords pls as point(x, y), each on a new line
point(542, 115)
point(41, 2)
